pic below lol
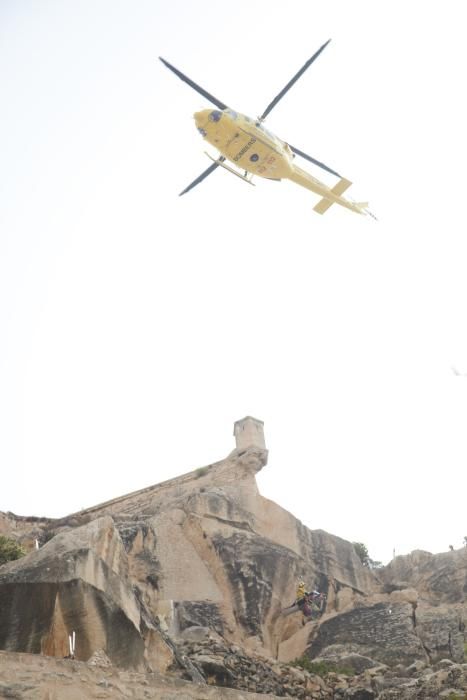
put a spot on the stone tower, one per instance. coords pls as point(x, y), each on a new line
point(249, 432)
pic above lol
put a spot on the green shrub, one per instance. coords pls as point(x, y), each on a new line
point(362, 553)
point(9, 550)
point(201, 472)
point(321, 668)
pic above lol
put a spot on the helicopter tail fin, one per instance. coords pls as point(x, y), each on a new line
point(324, 203)
point(363, 206)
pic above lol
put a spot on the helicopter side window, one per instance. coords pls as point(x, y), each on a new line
point(215, 115)
point(232, 114)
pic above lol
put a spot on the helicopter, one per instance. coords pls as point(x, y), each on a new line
point(247, 144)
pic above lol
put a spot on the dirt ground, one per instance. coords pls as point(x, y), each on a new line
point(35, 677)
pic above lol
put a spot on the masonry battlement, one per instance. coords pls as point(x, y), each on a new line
point(249, 432)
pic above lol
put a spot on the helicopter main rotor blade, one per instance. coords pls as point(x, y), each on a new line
point(291, 82)
point(194, 85)
point(313, 160)
point(204, 174)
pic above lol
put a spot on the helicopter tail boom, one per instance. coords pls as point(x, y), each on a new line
point(324, 203)
point(328, 195)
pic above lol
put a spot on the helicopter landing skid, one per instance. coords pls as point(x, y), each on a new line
point(231, 170)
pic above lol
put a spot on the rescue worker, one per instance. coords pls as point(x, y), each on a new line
point(301, 593)
point(306, 600)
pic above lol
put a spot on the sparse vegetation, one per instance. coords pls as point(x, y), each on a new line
point(362, 553)
point(321, 668)
point(9, 550)
point(201, 472)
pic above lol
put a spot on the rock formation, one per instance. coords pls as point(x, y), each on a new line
point(205, 557)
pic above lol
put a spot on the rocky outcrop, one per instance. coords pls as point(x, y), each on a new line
point(205, 556)
point(354, 677)
point(77, 582)
point(442, 632)
point(445, 680)
point(40, 677)
point(382, 632)
point(439, 579)
point(205, 548)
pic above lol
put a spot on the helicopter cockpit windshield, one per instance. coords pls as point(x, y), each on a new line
point(215, 115)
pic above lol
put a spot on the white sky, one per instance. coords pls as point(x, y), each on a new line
point(136, 326)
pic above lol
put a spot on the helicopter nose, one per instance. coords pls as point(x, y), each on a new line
point(201, 118)
point(207, 115)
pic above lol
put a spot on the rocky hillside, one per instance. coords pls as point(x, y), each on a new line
point(204, 559)
point(35, 677)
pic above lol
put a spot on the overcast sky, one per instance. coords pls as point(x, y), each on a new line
point(136, 326)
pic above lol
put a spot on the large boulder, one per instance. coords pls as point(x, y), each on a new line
point(441, 633)
point(383, 632)
point(77, 582)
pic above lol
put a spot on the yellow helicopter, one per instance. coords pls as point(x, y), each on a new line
point(256, 151)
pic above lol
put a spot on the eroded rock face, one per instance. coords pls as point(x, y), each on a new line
point(77, 581)
point(438, 578)
point(382, 632)
point(207, 554)
point(199, 614)
point(255, 567)
point(393, 634)
point(441, 632)
point(205, 549)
